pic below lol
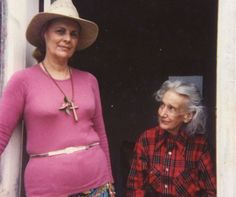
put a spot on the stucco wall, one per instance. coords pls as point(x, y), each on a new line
point(226, 103)
point(15, 52)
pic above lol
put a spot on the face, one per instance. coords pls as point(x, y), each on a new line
point(172, 112)
point(61, 38)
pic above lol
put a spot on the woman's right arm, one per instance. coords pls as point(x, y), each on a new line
point(11, 108)
point(135, 183)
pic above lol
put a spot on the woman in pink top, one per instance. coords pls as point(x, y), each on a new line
point(61, 107)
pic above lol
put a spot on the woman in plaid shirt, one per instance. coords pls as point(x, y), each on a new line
point(174, 159)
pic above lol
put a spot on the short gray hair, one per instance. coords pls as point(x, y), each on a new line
point(198, 122)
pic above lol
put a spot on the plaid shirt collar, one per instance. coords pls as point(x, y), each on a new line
point(179, 140)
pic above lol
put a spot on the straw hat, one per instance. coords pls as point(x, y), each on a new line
point(62, 8)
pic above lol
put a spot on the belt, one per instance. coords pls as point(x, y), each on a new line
point(67, 150)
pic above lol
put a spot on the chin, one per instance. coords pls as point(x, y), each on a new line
point(163, 126)
point(63, 56)
point(64, 53)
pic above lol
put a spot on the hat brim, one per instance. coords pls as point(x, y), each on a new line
point(88, 31)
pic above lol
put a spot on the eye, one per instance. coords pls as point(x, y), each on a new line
point(161, 105)
point(171, 109)
point(60, 31)
point(75, 34)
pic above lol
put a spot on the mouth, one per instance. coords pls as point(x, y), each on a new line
point(66, 48)
point(163, 121)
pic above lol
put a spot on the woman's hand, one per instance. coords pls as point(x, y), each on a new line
point(111, 190)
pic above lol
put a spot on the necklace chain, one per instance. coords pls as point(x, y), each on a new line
point(68, 104)
point(71, 80)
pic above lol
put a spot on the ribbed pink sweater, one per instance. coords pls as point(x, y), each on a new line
point(31, 95)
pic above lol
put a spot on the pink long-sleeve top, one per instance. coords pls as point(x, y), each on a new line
point(32, 96)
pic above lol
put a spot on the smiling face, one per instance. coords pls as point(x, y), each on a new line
point(61, 38)
point(172, 112)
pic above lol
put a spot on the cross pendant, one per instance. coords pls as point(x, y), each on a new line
point(73, 107)
point(67, 106)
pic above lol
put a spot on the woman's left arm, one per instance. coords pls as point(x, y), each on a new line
point(99, 123)
point(207, 173)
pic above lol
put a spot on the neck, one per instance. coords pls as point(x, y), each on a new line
point(57, 70)
point(173, 132)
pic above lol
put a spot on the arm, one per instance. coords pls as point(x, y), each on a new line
point(11, 108)
point(136, 178)
point(207, 173)
point(199, 179)
point(99, 123)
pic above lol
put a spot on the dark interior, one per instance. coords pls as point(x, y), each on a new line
point(140, 44)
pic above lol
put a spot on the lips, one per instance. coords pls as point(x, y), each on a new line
point(65, 47)
point(163, 121)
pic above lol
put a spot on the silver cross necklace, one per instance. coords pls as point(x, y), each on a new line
point(68, 105)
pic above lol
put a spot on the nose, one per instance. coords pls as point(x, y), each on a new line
point(67, 37)
point(162, 111)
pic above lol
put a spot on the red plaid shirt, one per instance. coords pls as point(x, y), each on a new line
point(178, 165)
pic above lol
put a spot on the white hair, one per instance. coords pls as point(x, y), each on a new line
point(198, 122)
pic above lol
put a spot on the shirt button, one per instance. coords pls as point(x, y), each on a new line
point(167, 169)
point(169, 153)
point(166, 186)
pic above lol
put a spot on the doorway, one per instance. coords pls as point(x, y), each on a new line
point(140, 44)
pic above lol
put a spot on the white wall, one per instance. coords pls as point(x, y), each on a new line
point(226, 102)
point(16, 50)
